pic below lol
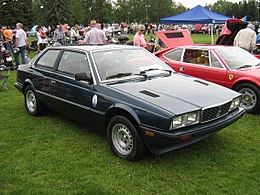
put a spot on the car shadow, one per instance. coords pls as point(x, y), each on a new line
point(211, 147)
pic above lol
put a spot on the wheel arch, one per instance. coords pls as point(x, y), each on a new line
point(26, 83)
point(243, 82)
point(120, 109)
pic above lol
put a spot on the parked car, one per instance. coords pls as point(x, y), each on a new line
point(229, 32)
point(127, 91)
point(32, 32)
point(228, 66)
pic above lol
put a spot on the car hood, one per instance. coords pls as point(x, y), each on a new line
point(230, 30)
point(178, 93)
point(175, 38)
point(251, 71)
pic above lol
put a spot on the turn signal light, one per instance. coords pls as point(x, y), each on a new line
point(149, 133)
point(185, 137)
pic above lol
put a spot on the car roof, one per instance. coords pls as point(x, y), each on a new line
point(203, 46)
point(91, 47)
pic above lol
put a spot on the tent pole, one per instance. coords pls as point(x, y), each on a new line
point(212, 36)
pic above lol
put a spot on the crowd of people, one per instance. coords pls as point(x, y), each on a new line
point(15, 42)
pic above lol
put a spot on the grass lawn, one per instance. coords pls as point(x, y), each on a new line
point(54, 155)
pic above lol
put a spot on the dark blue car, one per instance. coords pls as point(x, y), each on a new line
point(135, 97)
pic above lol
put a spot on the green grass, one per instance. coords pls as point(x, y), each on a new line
point(54, 155)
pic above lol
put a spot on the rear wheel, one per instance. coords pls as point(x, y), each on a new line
point(250, 97)
point(124, 139)
point(33, 105)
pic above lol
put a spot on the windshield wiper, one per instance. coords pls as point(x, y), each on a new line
point(258, 64)
point(119, 75)
point(244, 66)
point(151, 69)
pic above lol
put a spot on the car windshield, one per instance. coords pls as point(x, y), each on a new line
point(123, 63)
point(237, 58)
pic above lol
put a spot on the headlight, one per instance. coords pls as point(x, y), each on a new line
point(235, 103)
point(185, 120)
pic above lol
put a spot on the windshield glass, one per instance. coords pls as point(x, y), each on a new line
point(125, 62)
point(236, 57)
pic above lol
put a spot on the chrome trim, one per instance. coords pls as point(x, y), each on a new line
point(63, 100)
point(60, 81)
point(91, 69)
point(214, 53)
point(219, 104)
point(182, 54)
point(95, 65)
point(219, 111)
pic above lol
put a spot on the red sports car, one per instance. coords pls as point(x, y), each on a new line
point(228, 66)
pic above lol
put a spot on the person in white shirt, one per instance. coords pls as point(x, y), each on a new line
point(246, 38)
point(75, 34)
point(20, 44)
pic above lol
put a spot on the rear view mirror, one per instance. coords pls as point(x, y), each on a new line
point(83, 76)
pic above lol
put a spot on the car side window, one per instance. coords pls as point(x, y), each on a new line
point(48, 59)
point(73, 62)
point(196, 56)
point(174, 55)
point(214, 61)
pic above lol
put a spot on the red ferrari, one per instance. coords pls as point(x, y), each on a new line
point(228, 66)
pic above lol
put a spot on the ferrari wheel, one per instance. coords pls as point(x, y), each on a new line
point(250, 97)
point(124, 139)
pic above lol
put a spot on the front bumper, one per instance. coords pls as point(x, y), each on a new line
point(159, 142)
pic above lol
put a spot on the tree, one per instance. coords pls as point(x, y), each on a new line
point(56, 11)
point(14, 11)
point(99, 10)
point(78, 11)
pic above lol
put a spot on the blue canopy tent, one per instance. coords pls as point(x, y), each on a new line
point(197, 15)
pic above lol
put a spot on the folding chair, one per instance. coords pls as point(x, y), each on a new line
point(4, 74)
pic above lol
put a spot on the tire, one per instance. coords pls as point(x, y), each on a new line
point(124, 139)
point(250, 97)
point(33, 105)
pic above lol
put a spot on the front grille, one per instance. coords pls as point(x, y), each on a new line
point(212, 113)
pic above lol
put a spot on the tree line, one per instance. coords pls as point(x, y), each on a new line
point(53, 12)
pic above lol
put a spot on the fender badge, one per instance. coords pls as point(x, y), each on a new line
point(94, 101)
point(230, 77)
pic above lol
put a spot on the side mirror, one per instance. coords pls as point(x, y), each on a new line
point(83, 76)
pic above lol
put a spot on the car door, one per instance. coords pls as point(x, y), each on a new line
point(204, 64)
point(41, 74)
point(72, 97)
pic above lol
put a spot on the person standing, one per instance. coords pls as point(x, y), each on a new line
point(20, 44)
point(246, 38)
point(59, 35)
point(8, 37)
point(139, 39)
point(74, 34)
point(95, 35)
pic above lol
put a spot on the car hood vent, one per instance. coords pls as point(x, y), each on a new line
point(201, 82)
point(149, 93)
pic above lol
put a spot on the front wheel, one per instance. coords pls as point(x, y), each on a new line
point(124, 139)
point(250, 97)
point(33, 105)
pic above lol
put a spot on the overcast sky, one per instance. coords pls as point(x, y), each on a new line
point(193, 3)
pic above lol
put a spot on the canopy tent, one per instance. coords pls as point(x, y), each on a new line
point(197, 15)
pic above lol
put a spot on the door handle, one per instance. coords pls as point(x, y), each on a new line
point(181, 69)
point(53, 82)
